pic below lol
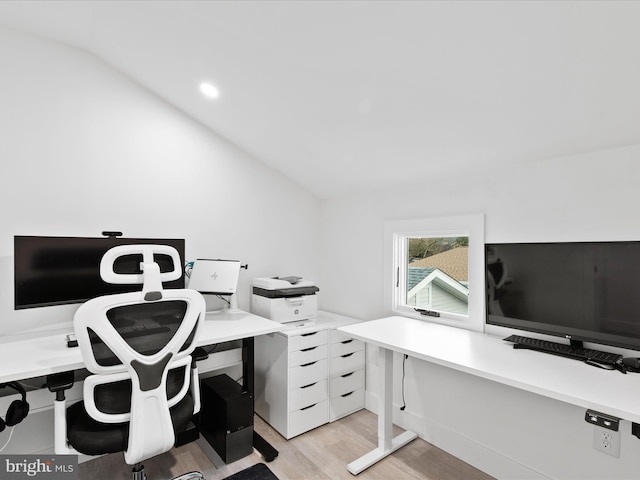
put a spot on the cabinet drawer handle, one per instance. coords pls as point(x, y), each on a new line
point(308, 334)
point(310, 385)
point(308, 364)
point(346, 394)
point(308, 349)
point(346, 375)
point(310, 406)
point(347, 341)
point(347, 355)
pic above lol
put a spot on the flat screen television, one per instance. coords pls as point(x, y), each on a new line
point(64, 270)
point(582, 291)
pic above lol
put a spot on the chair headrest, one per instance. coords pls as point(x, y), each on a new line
point(151, 278)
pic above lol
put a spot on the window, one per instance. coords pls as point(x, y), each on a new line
point(436, 266)
point(435, 276)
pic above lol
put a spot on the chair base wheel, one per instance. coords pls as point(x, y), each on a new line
point(137, 473)
point(190, 476)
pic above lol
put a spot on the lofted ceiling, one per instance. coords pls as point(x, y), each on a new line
point(349, 95)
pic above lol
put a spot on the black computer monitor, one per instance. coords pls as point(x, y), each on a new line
point(65, 270)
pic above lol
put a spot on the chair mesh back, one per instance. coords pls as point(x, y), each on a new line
point(115, 398)
point(145, 327)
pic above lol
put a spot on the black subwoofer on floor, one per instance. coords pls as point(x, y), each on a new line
point(226, 416)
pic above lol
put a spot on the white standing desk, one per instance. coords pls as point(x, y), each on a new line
point(44, 353)
point(491, 358)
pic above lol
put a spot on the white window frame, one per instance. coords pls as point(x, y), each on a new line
point(396, 233)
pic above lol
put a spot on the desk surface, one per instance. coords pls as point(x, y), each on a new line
point(489, 357)
point(29, 356)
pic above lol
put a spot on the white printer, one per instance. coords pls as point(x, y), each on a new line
point(285, 299)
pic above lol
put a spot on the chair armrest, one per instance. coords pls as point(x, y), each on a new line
point(59, 382)
point(199, 354)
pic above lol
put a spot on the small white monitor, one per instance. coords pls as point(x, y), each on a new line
point(218, 277)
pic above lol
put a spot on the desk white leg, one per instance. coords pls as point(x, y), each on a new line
point(386, 443)
point(385, 403)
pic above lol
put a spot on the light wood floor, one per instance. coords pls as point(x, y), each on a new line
point(321, 454)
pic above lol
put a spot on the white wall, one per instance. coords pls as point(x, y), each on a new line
point(506, 432)
point(84, 149)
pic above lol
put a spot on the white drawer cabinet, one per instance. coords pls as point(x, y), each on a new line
point(302, 375)
point(307, 418)
point(346, 403)
point(346, 375)
point(308, 376)
point(342, 384)
point(307, 395)
point(291, 381)
point(306, 340)
point(308, 355)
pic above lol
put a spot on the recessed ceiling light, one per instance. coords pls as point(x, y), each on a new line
point(209, 90)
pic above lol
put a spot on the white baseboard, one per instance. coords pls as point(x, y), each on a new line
point(468, 450)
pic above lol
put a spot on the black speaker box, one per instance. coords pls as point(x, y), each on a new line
point(189, 433)
point(226, 417)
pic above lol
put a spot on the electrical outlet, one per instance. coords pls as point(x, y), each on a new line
point(606, 441)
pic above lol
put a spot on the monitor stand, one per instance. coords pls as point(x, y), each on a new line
point(231, 307)
point(233, 303)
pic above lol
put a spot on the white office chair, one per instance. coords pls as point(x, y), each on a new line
point(138, 348)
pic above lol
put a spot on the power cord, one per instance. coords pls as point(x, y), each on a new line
point(8, 439)
point(220, 297)
point(404, 402)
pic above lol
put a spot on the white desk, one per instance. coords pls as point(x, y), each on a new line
point(491, 358)
point(44, 353)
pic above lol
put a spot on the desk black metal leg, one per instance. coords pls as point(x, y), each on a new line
point(266, 450)
point(260, 444)
point(248, 345)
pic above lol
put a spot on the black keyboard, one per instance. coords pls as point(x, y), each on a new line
point(564, 350)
